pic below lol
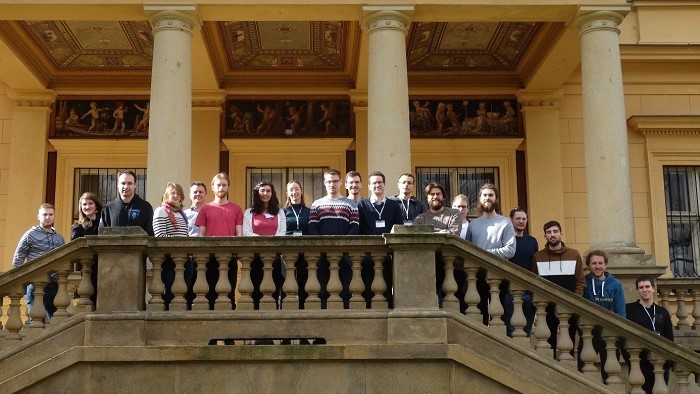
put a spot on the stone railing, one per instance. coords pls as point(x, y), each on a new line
point(682, 295)
point(127, 290)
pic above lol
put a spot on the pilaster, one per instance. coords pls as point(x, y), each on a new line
point(359, 107)
point(545, 186)
point(207, 107)
point(30, 111)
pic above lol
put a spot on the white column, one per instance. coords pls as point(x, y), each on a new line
point(389, 139)
point(170, 129)
point(605, 129)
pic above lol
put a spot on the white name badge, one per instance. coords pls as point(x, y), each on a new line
point(297, 234)
point(380, 224)
point(408, 222)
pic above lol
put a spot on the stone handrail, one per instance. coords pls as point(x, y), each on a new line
point(123, 286)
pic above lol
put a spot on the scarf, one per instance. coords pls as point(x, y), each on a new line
point(170, 207)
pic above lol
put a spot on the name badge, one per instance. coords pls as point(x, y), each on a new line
point(297, 234)
point(380, 224)
point(408, 222)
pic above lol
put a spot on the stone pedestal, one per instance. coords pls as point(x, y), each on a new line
point(389, 139)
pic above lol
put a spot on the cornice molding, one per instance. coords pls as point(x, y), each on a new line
point(665, 125)
point(539, 98)
point(358, 98)
point(31, 98)
point(208, 98)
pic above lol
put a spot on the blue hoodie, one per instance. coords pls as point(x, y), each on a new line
point(607, 293)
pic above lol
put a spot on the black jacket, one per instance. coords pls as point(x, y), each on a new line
point(137, 212)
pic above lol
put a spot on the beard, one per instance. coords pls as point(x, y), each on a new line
point(221, 194)
point(553, 243)
point(488, 206)
point(436, 205)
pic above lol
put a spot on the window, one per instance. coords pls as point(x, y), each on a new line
point(456, 180)
point(683, 218)
point(103, 182)
point(310, 178)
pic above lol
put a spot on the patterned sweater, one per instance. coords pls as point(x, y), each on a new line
point(331, 216)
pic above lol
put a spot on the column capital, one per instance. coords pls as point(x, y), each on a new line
point(172, 17)
point(358, 98)
point(377, 17)
point(539, 98)
point(592, 18)
point(208, 98)
point(31, 98)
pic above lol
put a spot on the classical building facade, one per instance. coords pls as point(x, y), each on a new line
point(587, 114)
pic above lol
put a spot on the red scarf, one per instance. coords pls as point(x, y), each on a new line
point(170, 207)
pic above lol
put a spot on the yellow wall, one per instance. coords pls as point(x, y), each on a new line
point(4, 168)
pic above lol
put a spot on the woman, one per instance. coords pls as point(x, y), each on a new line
point(296, 212)
point(169, 220)
point(89, 209)
point(461, 203)
point(264, 218)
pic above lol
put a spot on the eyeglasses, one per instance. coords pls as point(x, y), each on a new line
point(332, 181)
point(459, 206)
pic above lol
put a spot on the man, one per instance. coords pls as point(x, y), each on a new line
point(441, 218)
point(654, 317)
point(491, 231)
point(128, 209)
point(558, 263)
point(461, 203)
point(377, 213)
point(37, 241)
point(410, 206)
point(377, 216)
point(562, 266)
point(220, 218)
point(495, 234)
point(525, 247)
point(333, 214)
point(353, 184)
point(198, 190)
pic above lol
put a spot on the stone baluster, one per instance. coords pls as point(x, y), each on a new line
point(62, 300)
point(200, 288)
point(378, 287)
point(588, 354)
point(471, 296)
point(683, 380)
point(85, 289)
point(564, 343)
point(612, 365)
point(156, 287)
point(38, 311)
point(14, 318)
point(660, 386)
point(681, 313)
point(313, 287)
point(664, 296)
point(449, 284)
point(541, 330)
point(267, 286)
point(179, 303)
point(245, 302)
point(223, 286)
point(696, 310)
point(334, 286)
point(635, 378)
point(495, 306)
point(290, 286)
point(518, 320)
point(357, 301)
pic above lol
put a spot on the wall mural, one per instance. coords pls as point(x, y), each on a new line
point(280, 118)
point(116, 118)
point(478, 117)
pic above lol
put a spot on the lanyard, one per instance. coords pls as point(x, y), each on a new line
point(652, 319)
point(407, 206)
point(296, 215)
point(375, 208)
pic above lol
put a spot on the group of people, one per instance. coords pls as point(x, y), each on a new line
point(336, 214)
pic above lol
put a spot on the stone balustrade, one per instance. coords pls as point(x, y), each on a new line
point(175, 291)
point(681, 296)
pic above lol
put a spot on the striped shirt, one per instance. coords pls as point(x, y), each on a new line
point(34, 243)
point(163, 227)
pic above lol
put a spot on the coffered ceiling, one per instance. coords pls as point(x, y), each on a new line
point(110, 54)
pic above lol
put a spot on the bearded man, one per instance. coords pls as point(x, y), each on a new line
point(491, 231)
point(440, 217)
point(220, 218)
